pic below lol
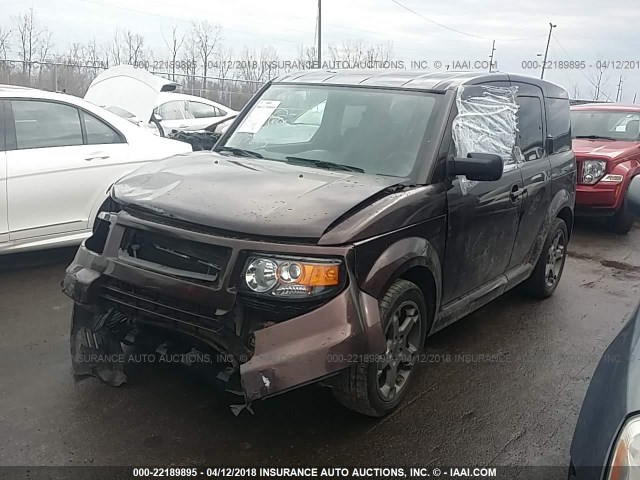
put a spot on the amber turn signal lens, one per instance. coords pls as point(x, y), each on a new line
point(315, 275)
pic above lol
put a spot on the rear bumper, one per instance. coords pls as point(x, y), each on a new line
point(601, 199)
point(281, 356)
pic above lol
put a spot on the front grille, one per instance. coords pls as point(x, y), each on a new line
point(280, 310)
point(174, 256)
point(144, 302)
point(148, 306)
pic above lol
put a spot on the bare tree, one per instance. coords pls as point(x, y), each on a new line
point(4, 42)
point(575, 91)
point(190, 58)
point(599, 80)
point(31, 37)
point(207, 36)
point(174, 44)
point(359, 54)
point(128, 48)
point(307, 57)
point(134, 46)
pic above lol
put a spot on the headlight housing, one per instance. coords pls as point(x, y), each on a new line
point(592, 171)
point(626, 452)
point(291, 277)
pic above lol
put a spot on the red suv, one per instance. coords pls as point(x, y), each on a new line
point(606, 141)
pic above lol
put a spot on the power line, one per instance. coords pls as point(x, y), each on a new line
point(593, 84)
point(460, 31)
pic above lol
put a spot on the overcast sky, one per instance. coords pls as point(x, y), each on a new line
point(586, 30)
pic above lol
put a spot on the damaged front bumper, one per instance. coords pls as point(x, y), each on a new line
point(269, 353)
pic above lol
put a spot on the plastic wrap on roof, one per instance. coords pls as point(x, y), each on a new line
point(486, 122)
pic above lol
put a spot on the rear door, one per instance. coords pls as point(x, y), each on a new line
point(64, 158)
point(4, 224)
point(536, 170)
point(203, 115)
point(174, 115)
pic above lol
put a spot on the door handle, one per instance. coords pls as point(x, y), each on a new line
point(517, 192)
point(97, 156)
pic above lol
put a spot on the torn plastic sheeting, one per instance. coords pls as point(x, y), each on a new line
point(486, 121)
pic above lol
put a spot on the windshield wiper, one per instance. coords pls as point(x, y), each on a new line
point(595, 137)
point(324, 164)
point(240, 152)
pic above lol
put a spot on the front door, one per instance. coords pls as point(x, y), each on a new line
point(64, 159)
point(482, 226)
point(483, 220)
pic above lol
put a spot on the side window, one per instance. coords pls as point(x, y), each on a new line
point(42, 124)
point(203, 110)
point(529, 118)
point(175, 110)
point(559, 124)
point(98, 132)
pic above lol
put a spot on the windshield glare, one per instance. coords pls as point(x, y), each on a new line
point(378, 131)
point(616, 125)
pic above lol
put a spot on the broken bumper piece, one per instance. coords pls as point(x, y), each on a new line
point(274, 358)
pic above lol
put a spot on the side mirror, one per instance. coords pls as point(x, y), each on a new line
point(158, 117)
point(484, 167)
point(633, 195)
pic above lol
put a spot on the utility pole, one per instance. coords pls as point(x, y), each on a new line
point(493, 49)
point(619, 92)
point(319, 33)
point(546, 51)
point(634, 97)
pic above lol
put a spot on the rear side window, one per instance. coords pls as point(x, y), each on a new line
point(46, 124)
point(175, 110)
point(559, 124)
point(529, 119)
point(98, 132)
point(203, 110)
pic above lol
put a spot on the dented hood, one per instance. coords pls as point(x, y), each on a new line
point(250, 196)
point(130, 88)
point(607, 149)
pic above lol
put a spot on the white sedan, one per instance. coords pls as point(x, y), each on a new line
point(188, 113)
point(142, 97)
point(58, 157)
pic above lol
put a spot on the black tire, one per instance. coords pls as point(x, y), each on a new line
point(358, 387)
point(539, 284)
point(622, 221)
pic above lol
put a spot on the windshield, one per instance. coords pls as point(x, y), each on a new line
point(603, 124)
point(370, 130)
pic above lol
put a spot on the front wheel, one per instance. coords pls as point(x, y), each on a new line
point(622, 221)
point(377, 388)
point(548, 270)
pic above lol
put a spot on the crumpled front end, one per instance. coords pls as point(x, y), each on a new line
point(140, 276)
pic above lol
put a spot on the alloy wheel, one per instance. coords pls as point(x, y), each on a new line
point(555, 259)
point(402, 335)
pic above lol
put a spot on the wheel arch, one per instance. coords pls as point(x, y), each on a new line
point(414, 259)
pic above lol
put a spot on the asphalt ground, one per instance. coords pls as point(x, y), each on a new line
point(501, 387)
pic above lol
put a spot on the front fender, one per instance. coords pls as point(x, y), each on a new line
point(397, 259)
point(628, 169)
